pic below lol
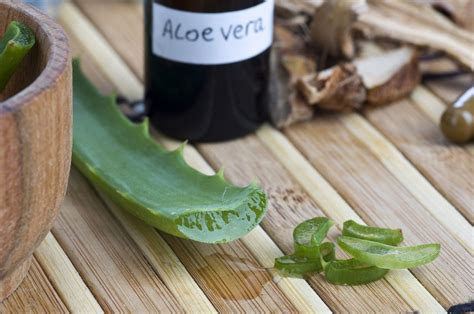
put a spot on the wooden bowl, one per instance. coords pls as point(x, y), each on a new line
point(35, 143)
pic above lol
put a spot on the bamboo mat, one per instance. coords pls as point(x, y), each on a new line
point(388, 167)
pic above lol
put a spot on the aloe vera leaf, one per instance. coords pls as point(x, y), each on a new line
point(387, 256)
point(309, 234)
point(154, 184)
point(14, 45)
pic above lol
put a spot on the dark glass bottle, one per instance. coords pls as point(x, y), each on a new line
point(208, 79)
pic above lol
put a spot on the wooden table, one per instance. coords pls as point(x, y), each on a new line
point(387, 167)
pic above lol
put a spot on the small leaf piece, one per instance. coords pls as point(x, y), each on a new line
point(14, 45)
point(387, 256)
point(309, 234)
point(298, 266)
point(382, 235)
point(352, 272)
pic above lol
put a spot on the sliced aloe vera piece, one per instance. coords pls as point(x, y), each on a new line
point(382, 235)
point(154, 184)
point(309, 234)
point(14, 45)
point(299, 266)
point(352, 272)
point(387, 256)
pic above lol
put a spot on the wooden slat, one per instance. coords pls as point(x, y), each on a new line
point(231, 277)
point(65, 278)
point(127, 84)
point(409, 177)
point(381, 199)
point(34, 295)
point(164, 261)
point(428, 103)
point(301, 295)
point(130, 37)
point(411, 126)
point(106, 257)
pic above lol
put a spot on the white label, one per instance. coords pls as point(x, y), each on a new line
point(212, 38)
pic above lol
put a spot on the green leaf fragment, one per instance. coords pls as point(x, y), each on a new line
point(308, 235)
point(382, 235)
point(154, 184)
point(352, 272)
point(14, 45)
point(387, 256)
point(299, 266)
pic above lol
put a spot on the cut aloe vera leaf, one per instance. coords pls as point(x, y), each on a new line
point(154, 184)
point(298, 266)
point(387, 256)
point(14, 45)
point(309, 234)
point(382, 235)
point(352, 272)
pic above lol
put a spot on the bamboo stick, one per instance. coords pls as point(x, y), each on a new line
point(431, 105)
point(65, 278)
point(93, 41)
point(34, 295)
point(164, 261)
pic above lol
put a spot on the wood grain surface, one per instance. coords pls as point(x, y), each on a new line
point(388, 167)
point(34, 295)
point(106, 257)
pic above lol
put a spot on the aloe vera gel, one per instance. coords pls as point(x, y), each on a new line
point(207, 66)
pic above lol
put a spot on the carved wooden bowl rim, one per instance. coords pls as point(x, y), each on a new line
point(58, 57)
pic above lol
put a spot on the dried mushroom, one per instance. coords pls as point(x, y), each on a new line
point(338, 89)
point(389, 76)
point(331, 27)
point(376, 80)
